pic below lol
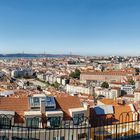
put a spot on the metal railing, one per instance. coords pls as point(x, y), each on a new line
point(43, 128)
point(57, 128)
point(127, 126)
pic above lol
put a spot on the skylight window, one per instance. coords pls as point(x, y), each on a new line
point(104, 109)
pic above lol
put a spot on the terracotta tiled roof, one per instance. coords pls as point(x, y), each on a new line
point(129, 95)
point(117, 88)
point(109, 101)
point(122, 113)
point(118, 109)
point(122, 73)
point(117, 83)
point(67, 102)
point(19, 105)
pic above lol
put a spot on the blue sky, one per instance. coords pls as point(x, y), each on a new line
point(87, 27)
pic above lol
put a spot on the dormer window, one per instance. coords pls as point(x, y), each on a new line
point(78, 118)
point(54, 121)
point(33, 119)
point(32, 122)
point(78, 115)
point(48, 102)
point(36, 101)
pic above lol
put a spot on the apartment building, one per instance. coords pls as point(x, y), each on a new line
point(76, 89)
point(52, 78)
point(22, 73)
point(41, 111)
point(111, 93)
point(109, 76)
point(23, 109)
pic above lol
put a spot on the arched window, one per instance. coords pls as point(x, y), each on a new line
point(5, 121)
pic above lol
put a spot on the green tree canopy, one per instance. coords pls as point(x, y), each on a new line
point(55, 85)
point(75, 74)
point(131, 82)
point(105, 85)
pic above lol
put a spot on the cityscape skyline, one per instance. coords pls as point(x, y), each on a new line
point(69, 69)
point(78, 27)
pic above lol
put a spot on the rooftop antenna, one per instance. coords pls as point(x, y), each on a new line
point(44, 53)
point(70, 53)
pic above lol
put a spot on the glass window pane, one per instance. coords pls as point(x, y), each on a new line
point(82, 136)
point(17, 138)
point(36, 101)
point(32, 122)
point(78, 118)
point(54, 121)
point(3, 138)
point(58, 138)
point(5, 123)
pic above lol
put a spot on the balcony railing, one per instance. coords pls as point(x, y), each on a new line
point(57, 128)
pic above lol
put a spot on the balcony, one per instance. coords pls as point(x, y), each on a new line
point(57, 128)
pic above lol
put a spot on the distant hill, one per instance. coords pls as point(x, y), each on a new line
point(35, 55)
point(1, 55)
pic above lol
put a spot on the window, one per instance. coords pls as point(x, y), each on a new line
point(32, 122)
point(113, 94)
point(17, 138)
point(5, 122)
point(50, 103)
point(49, 108)
point(82, 136)
point(78, 118)
point(54, 121)
point(36, 101)
point(71, 137)
point(58, 138)
point(3, 138)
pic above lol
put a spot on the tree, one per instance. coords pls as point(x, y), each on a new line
point(137, 70)
point(55, 85)
point(28, 83)
point(39, 88)
point(105, 85)
point(75, 74)
point(131, 82)
point(34, 75)
point(94, 95)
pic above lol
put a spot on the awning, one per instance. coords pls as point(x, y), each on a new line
point(4, 112)
point(55, 113)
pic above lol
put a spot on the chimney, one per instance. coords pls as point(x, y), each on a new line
point(88, 111)
point(87, 107)
point(43, 106)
